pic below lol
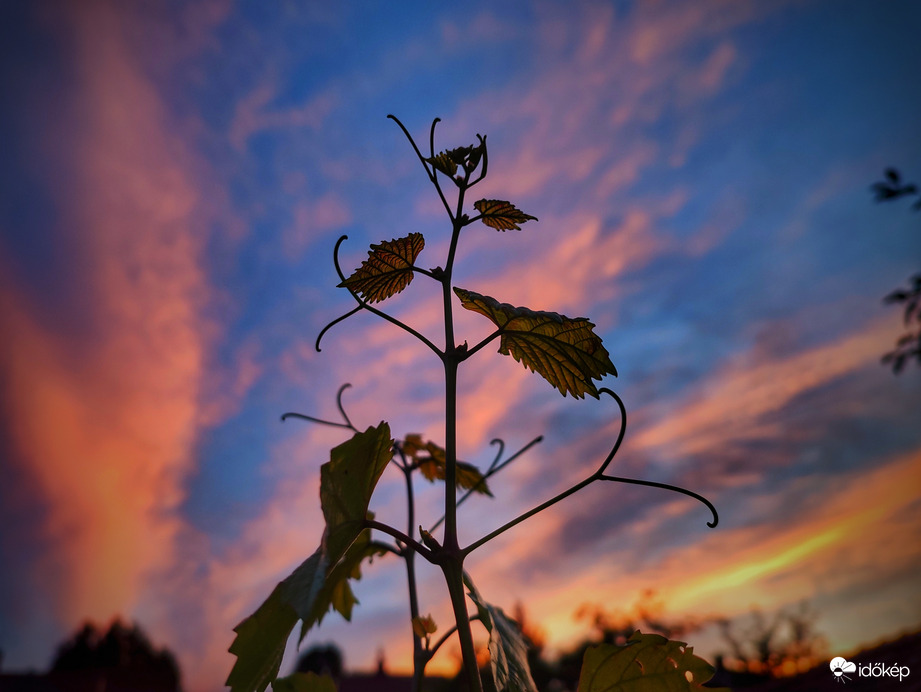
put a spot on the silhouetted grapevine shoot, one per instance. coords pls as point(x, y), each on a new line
point(567, 353)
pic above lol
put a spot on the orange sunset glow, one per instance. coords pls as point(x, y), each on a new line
point(176, 176)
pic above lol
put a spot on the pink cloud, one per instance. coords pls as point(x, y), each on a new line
point(106, 423)
point(605, 77)
point(659, 30)
point(716, 67)
point(311, 219)
point(255, 113)
point(736, 400)
point(568, 264)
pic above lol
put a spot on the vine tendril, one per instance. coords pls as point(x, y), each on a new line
point(347, 424)
point(333, 323)
point(497, 441)
point(363, 305)
point(667, 486)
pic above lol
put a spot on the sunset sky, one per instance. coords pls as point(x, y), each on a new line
point(174, 177)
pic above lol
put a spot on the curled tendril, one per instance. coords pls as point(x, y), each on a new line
point(410, 138)
point(339, 242)
point(665, 486)
point(598, 475)
point(623, 428)
point(432, 137)
point(351, 312)
point(501, 443)
point(345, 417)
point(333, 323)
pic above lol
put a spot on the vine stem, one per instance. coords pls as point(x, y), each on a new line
point(447, 635)
point(454, 577)
point(409, 556)
point(453, 558)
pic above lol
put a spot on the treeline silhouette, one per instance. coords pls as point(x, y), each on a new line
point(118, 659)
point(757, 648)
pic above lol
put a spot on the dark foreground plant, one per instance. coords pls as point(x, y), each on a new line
point(568, 354)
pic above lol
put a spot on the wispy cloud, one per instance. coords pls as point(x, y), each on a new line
point(106, 423)
point(255, 113)
point(736, 402)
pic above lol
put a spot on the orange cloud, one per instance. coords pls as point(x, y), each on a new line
point(735, 400)
point(862, 531)
point(566, 265)
point(106, 422)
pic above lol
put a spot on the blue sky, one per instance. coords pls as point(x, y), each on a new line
point(175, 177)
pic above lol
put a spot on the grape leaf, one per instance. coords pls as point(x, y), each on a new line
point(432, 461)
point(308, 593)
point(336, 593)
point(444, 162)
point(321, 581)
point(304, 682)
point(388, 269)
point(563, 350)
point(346, 483)
point(648, 663)
point(413, 445)
point(466, 476)
point(260, 644)
point(501, 215)
point(508, 652)
point(302, 588)
point(465, 157)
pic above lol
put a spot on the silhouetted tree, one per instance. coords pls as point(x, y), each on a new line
point(908, 346)
point(616, 626)
point(784, 644)
point(542, 671)
point(122, 649)
point(646, 614)
point(322, 659)
point(759, 646)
